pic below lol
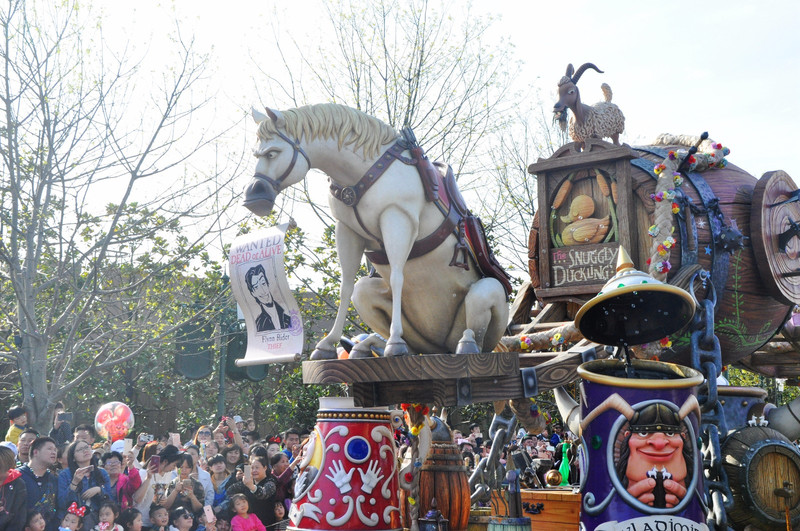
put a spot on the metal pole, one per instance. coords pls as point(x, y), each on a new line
point(223, 360)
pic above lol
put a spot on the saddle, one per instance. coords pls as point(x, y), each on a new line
point(441, 188)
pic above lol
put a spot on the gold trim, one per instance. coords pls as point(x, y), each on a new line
point(688, 377)
point(353, 415)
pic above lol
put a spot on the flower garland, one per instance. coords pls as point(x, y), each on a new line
point(661, 231)
point(416, 415)
point(669, 179)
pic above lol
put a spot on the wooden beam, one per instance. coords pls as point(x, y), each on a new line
point(559, 370)
point(411, 368)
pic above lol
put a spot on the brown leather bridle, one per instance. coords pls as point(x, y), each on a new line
point(276, 183)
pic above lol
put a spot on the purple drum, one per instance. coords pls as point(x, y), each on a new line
point(348, 472)
point(640, 463)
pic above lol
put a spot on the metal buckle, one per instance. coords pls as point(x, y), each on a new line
point(349, 196)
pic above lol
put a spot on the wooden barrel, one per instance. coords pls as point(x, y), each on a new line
point(747, 315)
point(443, 476)
point(759, 460)
point(479, 519)
point(504, 523)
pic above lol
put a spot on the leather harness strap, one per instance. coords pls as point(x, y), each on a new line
point(426, 244)
point(351, 195)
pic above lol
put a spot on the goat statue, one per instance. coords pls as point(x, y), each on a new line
point(603, 119)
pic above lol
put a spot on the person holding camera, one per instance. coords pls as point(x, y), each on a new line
point(156, 476)
point(62, 430)
point(83, 483)
point(184, 490)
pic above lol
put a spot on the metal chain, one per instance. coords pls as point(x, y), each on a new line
point(488, 474)
point(707, 358)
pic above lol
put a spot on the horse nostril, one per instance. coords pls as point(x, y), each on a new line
point(256, 187)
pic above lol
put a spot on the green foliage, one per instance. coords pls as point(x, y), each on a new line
point(102, 243)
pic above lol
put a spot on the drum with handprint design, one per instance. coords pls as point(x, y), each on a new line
point(348, 471)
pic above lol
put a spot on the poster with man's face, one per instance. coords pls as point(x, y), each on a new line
point(259, 284)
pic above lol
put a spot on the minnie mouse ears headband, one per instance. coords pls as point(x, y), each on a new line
point(77, 511)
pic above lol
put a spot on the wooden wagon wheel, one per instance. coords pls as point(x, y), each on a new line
point(775, 232)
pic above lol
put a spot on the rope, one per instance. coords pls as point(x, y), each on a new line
point(661, 231)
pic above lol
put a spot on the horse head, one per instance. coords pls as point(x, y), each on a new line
point(277, 167)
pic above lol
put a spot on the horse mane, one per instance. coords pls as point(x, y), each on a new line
point(331, 120)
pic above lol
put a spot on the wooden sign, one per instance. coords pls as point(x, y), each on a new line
point(585, 201)
point(586, 264)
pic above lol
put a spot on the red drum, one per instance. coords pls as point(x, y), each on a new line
point(348, 472)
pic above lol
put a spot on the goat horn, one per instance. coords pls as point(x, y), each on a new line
point(583, 69)
point(690, 405)
point(612, 402)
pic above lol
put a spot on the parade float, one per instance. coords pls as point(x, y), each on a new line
point(651, 268)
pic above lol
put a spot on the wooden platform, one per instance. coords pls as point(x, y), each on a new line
point(561, 511)
point(446, 379)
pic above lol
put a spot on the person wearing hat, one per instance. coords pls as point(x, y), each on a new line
point(655, 461)
point(528, 444)
point(18, 420)
point(12, 446)
point(239, 421)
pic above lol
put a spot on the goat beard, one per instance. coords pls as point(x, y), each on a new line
point(561, 119)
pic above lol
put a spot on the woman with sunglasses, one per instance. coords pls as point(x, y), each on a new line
point(181, 519)
point(83, 483)
point(202, 436)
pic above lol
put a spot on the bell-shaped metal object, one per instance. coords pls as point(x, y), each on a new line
point(633, 308)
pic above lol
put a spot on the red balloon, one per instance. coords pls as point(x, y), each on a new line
point(113, 421)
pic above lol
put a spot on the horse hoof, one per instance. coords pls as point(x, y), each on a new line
point(320, 354)
point(395, 349)
point(467, 344)
point(361, 351)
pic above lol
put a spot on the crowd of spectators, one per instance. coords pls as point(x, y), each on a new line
point(224, 478)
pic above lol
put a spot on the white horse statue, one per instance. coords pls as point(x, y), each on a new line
point(413, 236)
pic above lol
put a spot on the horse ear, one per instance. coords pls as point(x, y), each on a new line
point(276, 117)
point(258, 116)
